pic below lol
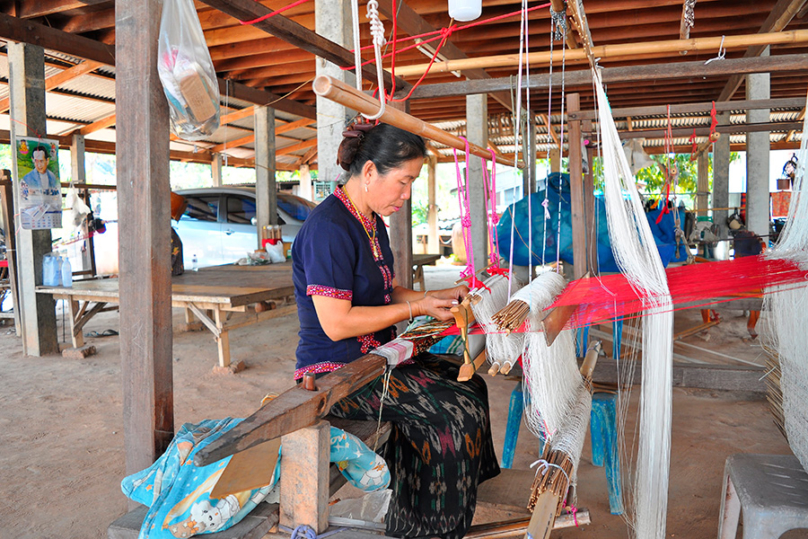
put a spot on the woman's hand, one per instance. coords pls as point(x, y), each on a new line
point(457, 293)
point(435, 307)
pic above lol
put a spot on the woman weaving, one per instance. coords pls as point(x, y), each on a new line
point(348, 301)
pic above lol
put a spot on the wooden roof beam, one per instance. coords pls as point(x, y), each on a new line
point(297, 147)
point(41, 8)
point(60, 78)
point(25, 31)
point(246, 112)
point(637, 73)
point(412, 23)
point(617, 50)
point(307, 157)
point(782, 14)
point(97, 125)
point(296, 34)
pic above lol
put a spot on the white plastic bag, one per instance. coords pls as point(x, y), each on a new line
point(75, 208)
point(187, 73)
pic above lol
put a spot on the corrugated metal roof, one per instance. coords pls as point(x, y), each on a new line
point(66, 107)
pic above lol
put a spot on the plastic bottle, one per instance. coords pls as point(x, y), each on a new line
point(67, 272)
point(194, 263)
point(50, 275)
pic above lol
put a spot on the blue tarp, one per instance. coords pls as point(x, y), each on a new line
point(545, 242)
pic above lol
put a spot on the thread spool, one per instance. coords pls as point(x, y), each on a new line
point(308, 382)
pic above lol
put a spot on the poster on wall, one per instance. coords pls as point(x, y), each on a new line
point(39, 187)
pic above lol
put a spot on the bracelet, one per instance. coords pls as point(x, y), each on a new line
point(425, 291)
point(409, 305)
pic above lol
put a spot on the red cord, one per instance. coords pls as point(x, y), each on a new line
point(268, 15)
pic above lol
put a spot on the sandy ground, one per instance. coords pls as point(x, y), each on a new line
point(61, 440)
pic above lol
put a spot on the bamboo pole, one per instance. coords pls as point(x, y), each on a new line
point(350, 97)
point(610, 51)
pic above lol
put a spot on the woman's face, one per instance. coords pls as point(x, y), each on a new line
point(386, 194)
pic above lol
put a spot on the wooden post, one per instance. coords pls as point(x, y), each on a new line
point(266, 201)
point(554, 155)
point(216, 170)
point(332, 20)
point(702, 185)
point(576, 190)
point(79, 176)
point(530, 181)
point(477, 133)
point(401, 229)
point(304, 468)
point(433, 242)
point(145, 235)
point(27, 95)
point(589, 208)
point(7, 215)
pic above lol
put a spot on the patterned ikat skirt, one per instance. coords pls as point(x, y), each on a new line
point(440, 448)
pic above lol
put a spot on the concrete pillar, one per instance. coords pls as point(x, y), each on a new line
point(27, 111)
point(266, 192)
point(77, 159)
point(720, 198)
point(332, 20)
point(433, 241)
point(757, 156)
point(477, 132)
point(306, 189)
point(216, 170)
point(144, 211)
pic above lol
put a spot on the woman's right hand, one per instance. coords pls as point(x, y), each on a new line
point(434, 307)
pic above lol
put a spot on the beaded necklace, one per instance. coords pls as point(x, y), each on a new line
point(371, 236)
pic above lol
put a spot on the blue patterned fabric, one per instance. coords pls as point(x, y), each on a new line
point(177, 492)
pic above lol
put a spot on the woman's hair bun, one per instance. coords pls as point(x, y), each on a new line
point(351, 141)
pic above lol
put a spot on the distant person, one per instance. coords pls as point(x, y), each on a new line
point(41, 177)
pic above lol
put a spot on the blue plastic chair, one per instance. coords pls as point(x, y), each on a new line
point(603, 433)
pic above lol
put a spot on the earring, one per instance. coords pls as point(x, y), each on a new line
point(366, 188)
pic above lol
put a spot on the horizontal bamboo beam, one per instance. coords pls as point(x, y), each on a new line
point(605, 51)
point(583, 77)
point(348, 96)
point(689, 108)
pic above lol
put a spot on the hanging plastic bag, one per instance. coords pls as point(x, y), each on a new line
point(187, 73)
point(76, 209)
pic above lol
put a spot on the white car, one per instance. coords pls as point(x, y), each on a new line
point(218, 226)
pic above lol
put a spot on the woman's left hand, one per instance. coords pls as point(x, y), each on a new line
point(456, 293)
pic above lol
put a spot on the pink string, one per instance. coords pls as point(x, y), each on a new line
point(277, 11)
point(469, 274)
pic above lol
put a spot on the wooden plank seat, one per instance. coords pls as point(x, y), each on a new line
point(266, 516)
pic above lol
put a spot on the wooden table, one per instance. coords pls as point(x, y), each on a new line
point(221, 297)
point(418, 263)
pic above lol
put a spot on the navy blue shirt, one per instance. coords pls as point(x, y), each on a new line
point(333, 255)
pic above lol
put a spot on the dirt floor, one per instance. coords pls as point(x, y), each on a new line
point(61, 440)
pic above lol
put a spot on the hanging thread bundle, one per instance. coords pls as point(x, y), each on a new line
point(786, 314)
point(501, 349)
point(551, 374)
point(637, 257)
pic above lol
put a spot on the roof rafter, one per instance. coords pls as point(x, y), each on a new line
point(782, 14)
